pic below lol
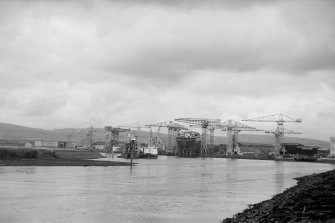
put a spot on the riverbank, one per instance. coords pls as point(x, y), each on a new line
point(59, 162)
point(30, 157)
point(311, 200)
point(320, 160)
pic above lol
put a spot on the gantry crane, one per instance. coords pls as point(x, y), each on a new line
point(172, 129)
point(279, 139)
point(134, 125)
point(233, 128)
point(280, 130)
point(211, 127)
point(205, 124)
point(88, 139)
point(153, 137)
point(112, 137)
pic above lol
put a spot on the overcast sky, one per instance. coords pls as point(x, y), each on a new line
point(81, 63)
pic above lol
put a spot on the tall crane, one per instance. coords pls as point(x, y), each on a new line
point(112, 137)
point(134, 125)
point(279, 139)
point(233, 128)
point(153, 136)
point(280, 119)
point(205, 124)
point(211, 127)
point(172, 129)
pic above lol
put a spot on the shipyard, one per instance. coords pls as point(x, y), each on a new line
point(182, 138)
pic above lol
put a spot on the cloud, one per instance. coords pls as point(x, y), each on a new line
point(77, 63)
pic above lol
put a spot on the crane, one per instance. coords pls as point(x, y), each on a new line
point(112, 136)
point(88, 139)
point(280, 119)
point(279, 139)
point(138, 128)
point(233, 128)
point(134, 125)
point(172, 128)
point(205, 124)
point(212, 127)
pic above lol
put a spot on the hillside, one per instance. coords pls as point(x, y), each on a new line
point(16, 132)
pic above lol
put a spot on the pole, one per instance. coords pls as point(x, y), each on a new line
point(132, 150)
point(131, 159)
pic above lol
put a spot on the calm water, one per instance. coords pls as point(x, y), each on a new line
point(168, 189)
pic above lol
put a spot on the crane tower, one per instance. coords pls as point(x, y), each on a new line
point(172, 129)
point(280, 119)
point(112, 137)
point(204, 124)
point(233, 128)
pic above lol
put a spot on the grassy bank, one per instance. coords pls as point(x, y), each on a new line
point(75, 155)
point(59, 162)
point(311, 200)
point(33, 157)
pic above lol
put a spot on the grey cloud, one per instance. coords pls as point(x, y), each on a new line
point(168, 44)
point(148, 60)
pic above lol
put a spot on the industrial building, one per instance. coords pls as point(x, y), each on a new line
point(300, 149)
point(256, 148)
point(46, 144)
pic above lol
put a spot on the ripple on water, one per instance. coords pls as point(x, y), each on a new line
point(168, 189)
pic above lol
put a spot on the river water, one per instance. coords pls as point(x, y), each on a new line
point(168, 189)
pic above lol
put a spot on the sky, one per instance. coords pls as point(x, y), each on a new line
point(80, 63)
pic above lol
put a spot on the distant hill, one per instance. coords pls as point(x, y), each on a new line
point(269, 139)
point(16, 132)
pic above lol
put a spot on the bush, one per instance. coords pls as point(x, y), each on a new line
point(47, 154)
point(30, 154)
point(4, 153)
point(12, 153)
point(24, 153)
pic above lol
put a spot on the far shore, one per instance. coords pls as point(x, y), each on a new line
point(320, 160)
point(59, 162)
point(29, 157)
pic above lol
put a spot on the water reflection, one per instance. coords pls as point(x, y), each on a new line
point(168, 189)
point(25, 170)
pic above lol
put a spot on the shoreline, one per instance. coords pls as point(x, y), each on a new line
point(28, 157)
point(311, 200)
point(320, 160)
point(59, 162)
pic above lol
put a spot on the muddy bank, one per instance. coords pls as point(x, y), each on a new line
point(59, 162)
point(311, 200)
point(33, 157)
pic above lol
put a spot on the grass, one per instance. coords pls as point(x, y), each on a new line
point(18, 153)
point(34, 157)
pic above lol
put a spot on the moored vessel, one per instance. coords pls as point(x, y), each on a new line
point(149, 152)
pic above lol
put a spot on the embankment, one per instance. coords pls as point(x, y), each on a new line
point(33, 157)
point(311, 200)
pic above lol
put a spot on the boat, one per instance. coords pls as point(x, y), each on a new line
point(188, 144)
point(149, 152)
